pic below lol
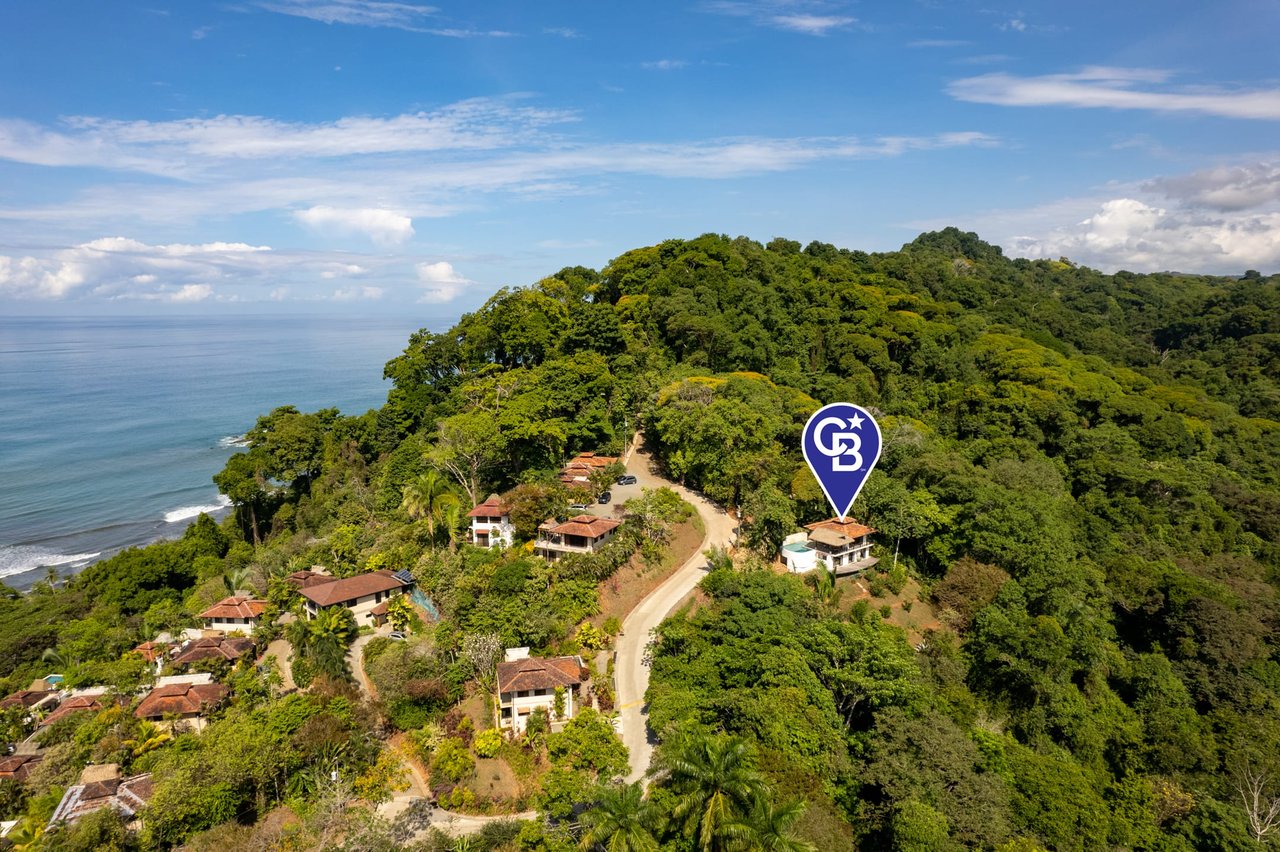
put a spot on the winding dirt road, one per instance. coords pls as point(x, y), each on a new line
point(631, 672)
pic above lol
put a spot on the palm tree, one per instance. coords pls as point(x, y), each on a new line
point(331, 631)
point(768, 828)
point(717, 785)
point(621, 821)
point(426, 498)
point(323, 640)
point(236, 579)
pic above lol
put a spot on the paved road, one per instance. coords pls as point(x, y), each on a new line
point(631, 672)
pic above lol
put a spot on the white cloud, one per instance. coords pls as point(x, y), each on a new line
point(191, 293)
point(342, 270)
point(1115, 88)
point(435, 184)
point(664, 65)
point(813, 24)
point(563, 32)
point(384, 227)
point(440, 282)
point(351, 294)
point(1224, 187)
point(811, 17)
point(364, 13)
point(184, 148)
point(1131, 234)
point(373, 13)
point(118, 267)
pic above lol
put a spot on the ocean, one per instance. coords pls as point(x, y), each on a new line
point(111, 428)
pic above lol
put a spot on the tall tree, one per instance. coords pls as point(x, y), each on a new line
point(620, 821)
point(716, 785)
point(428, 499)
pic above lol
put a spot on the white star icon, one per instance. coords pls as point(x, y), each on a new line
point(855, 422)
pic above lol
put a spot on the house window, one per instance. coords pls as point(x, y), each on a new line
point(539, 692)
point(506, 712)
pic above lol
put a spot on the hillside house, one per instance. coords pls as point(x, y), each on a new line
point(577, 471)
point(182, 705)
point(89, 702)
point(240, 613)
point(361, 594)
point(580, 534)
point(101, 786)
point(19, 766)
point(526, 683)
point(491, 524)
point(226, 648)
point(843, 547)
point(30, 699)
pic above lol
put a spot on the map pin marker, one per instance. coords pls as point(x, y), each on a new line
point(841, 443)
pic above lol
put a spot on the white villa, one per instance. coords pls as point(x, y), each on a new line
point(238, 612)
point(491, 524)
point(361, 594)
point(580, 534)
point(843, 547)
point(526, 683)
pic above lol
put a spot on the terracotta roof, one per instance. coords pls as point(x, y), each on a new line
point(236, 606)
point(587, 526)
point(71, 705)
point(150, 650)
point(180, 699)
point(307, 578)
point(353, 587)
point(19, 766)
point(128, 795)
point(24, 698)
point(492, 507)
point(381, 609)
point(580, 467)
point(848, 529)
point(539, 673)
point(215, 648)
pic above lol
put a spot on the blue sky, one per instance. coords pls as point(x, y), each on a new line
point(374, 157)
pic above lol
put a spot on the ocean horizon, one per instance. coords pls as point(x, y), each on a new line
point(111, 428)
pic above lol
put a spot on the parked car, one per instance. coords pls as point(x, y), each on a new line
point(579, 507)
point(396, 636)
point(605, 497)
point(626, 479)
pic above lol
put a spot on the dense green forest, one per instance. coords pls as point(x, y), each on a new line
point(1078, 503)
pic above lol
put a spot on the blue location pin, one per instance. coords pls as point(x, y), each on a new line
point(841, 443)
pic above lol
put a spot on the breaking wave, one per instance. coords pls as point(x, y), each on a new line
point(186, 513)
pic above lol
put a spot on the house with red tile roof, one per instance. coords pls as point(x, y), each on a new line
point(526, 683)
point(843, 547)
point(308, 577)
point(579, 534)
point(361, 594)
point(19, 766)
point(74, 704)
point(577, 471)
point(152, 650)
point(30, 699)
point(225, 648)
point(102, 787)
point(491, 523)
point(182, 704)
point(237, 613)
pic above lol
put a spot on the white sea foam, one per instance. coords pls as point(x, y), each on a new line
point(188, 512)
point(20, 558)
point(232, 441)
